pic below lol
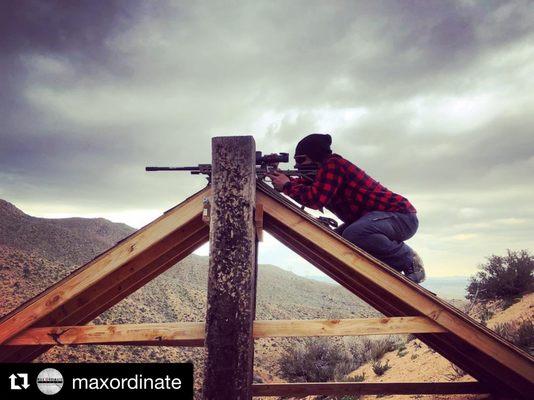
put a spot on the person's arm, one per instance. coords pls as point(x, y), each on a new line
point(318, 194)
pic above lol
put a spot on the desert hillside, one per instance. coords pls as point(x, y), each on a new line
point(72, 241)
point(413, 361)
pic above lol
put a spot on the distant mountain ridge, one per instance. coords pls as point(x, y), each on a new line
point(67, 240)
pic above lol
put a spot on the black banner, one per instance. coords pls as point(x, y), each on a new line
point(64, 381)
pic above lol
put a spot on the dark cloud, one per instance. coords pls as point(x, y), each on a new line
point(73, 31)
point(77, 30)
point(430, 97)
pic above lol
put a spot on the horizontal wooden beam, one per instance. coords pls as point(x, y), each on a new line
point(345, 327)
point(178, 334)
point(192, 333)
point(349, 388)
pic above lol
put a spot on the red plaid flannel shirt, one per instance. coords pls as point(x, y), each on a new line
point(346, 190)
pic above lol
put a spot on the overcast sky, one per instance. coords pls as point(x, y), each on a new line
point(434, 99)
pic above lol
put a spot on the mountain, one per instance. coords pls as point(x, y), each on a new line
point(65, 240)
point(36, 252)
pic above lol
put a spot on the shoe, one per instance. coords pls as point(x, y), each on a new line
point(416, 271)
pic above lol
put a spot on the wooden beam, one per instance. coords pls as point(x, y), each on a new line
point(258, 221)
point(84, 308)
point(472, 345)
point(87, 305)
point(99, 268)
point(349, 388)
point(167, 334)
point(345, 327)
point(192, 333)
point(232, 272)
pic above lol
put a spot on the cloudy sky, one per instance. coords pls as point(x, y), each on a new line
point(434, 99)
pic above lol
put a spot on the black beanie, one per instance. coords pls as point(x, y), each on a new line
point(316, 146)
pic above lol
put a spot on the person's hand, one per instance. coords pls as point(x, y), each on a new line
point(279, 180)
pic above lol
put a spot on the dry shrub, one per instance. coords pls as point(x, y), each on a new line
point(520, 333)
point(324, 359)
point(503, 278)
point(316, 360)
point(380, 368)
point(372, 349)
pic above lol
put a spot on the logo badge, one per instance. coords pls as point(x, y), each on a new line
point(50, 381)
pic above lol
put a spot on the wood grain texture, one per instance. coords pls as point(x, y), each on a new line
point(192, 333)
point(355, 389)
point(345, 327)
point(468, 344)
point(76, 300)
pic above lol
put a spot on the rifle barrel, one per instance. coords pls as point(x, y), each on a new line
point(171, 168)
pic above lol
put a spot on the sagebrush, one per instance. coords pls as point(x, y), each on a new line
point(323, 360)
point(519, 332)
point(315, 360)
point(503, 277)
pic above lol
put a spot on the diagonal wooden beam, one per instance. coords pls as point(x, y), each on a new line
point(100, 297)
point(499, 362)
point(115, 273)
point(377, 298)
point(447, 345)
point(192, 333)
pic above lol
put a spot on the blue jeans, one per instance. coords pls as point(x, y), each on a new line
point(381, 234)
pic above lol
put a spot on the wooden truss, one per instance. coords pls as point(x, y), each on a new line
point(58, 315)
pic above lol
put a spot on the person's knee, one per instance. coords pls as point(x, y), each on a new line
point(350, 232)
point(412, 222)
point(357, 236)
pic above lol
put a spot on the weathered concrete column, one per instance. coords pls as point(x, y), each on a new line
point(232, 274)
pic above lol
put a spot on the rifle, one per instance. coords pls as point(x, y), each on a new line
point(264, 165)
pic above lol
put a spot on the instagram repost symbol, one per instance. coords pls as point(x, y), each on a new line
point(49, 381)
